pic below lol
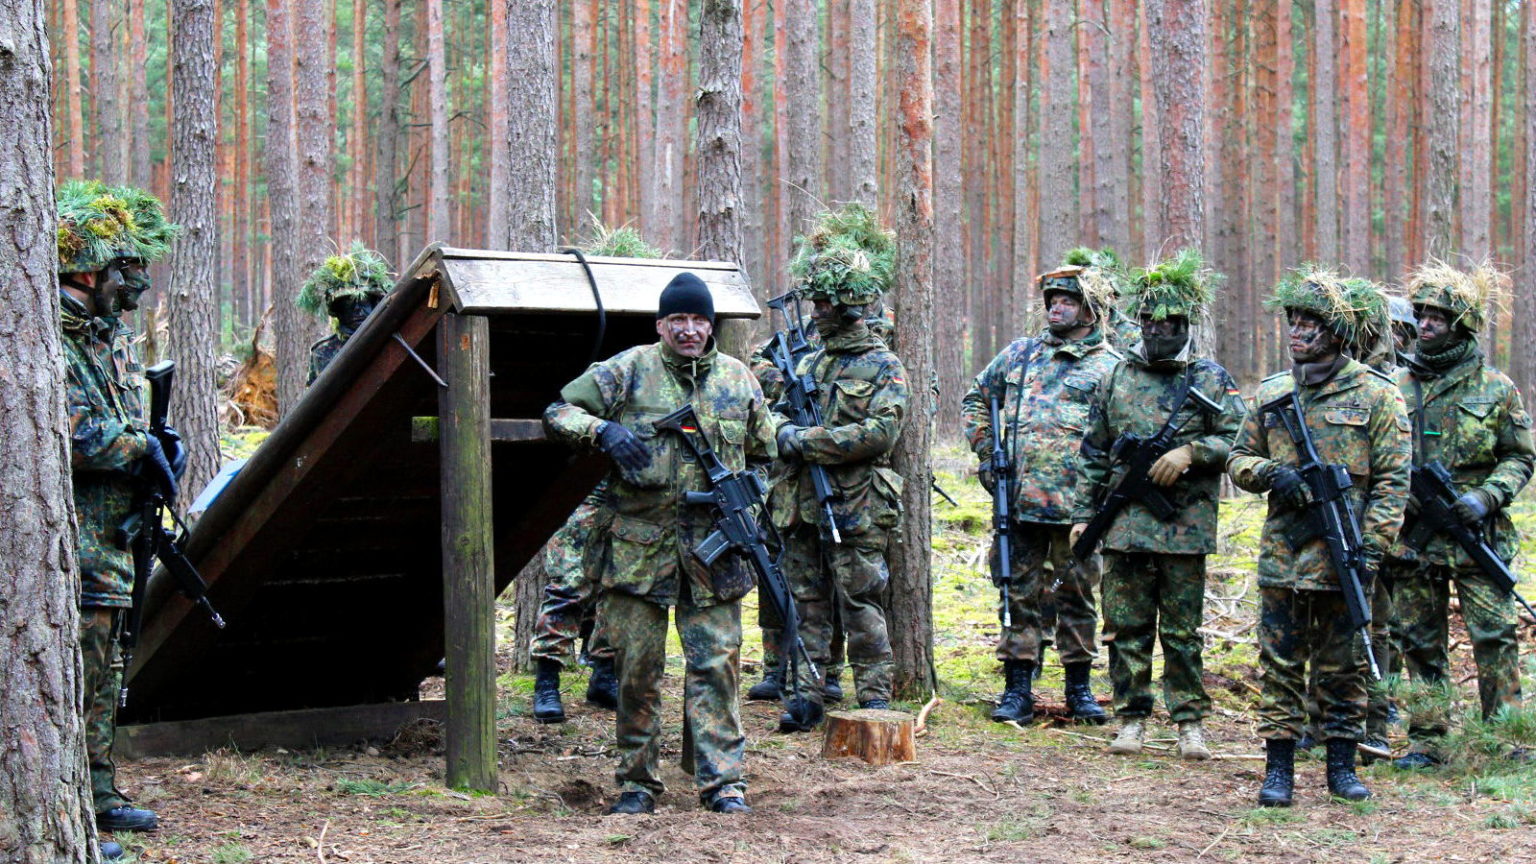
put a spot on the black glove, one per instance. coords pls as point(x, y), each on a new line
point(1370, 565)
point(623, 447)
point(984, 473)
point(1473, 507)
point(1288, 489)
point(175, 451)
point(154, 467)
point(790, 449)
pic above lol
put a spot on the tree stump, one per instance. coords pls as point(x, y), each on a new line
point(876, 736)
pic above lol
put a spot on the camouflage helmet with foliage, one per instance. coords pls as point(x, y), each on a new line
point(847, 258)
point(1373, 338)
point(1465, 298)
point(99, 224)
point(1091, 275)
point(1339, 302)
point(357, 272)
point(1177, 287)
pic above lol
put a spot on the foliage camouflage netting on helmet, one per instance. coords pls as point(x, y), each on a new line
point(847, 258)
point(358, 272)
point(1466, 297)
point(100, 223)
point(1180, 286)
point(621, 242)
point(1337, 301)
point(1374, 336)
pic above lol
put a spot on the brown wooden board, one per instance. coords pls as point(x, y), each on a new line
point(324, 552)
point(309, 727)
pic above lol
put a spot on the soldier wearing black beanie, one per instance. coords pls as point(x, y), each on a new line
point(686, 294)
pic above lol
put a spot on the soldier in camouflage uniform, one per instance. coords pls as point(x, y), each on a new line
point(649, 533)
point(568, 608)
point(1469, 417)
point(1045, 386)
point(862, 392)
point(346, 288)
point(1154, 571)
point(1356, 418)
point(107, 237)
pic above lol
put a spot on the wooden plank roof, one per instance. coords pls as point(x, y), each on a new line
point(324, 552)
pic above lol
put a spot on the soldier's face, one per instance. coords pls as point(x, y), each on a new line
point(1065, 315)
point(351, 312)
point(135, 281)
point(685, 333)
point(1311, 341)
point(1433, 326)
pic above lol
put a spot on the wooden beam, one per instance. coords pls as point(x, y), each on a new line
point(310, 727)
point(469, 582)
point(425, 429)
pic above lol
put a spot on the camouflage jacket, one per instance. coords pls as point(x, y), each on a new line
point(1137, 399)
point(650, 529)
point(1473, 422)
point(104, 388)
point(1356, 419)
point(1047, 386)
point(321, 354)
point(862, 393)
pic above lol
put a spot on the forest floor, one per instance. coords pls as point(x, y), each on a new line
point(978, 791)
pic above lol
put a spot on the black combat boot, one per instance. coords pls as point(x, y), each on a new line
point(632, 802)
point(546, 692)
point(111, 851)
point(1341, 771)
point(875, 705)
point(1279, 773)
point(1085, 708)
point(768, 689)
point(832, 691)
point(800, 714)
point(603, 689)
point(1017, 702)
point(126, 817)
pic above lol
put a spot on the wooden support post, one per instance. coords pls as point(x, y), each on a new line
point(469, 592)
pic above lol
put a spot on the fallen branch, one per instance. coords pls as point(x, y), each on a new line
point(922, 716)
point(1211, 844)
point(320, 847)
point(984, 787)
point(1243, 757)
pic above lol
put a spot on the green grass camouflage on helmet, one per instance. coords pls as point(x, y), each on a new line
point(1464, 297)
point(1177, 287)
point(1347, 311)
point(100, 223)
point(1373, 336)
point(621, 242)
point(847, 258)
point(358, 272)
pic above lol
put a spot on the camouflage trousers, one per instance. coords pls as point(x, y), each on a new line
point(1384, 646)
point(773, 638)
point(1423, 596)
point(840, 582)
point(1046, 575)
point(99, 629)
point(1150, 598)
point(1298, 627)
point(570, 603)
point(714, 746)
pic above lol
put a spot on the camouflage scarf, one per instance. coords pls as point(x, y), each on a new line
point(1441, 362)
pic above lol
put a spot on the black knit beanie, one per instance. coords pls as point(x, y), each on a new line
point(686, 294)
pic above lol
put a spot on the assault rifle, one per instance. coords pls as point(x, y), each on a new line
point(735, 497)
point(145, 535)
point(789, 345)
point(1002, 518)
point(1330, 517)
point(1431, 486)
point(1138, 455)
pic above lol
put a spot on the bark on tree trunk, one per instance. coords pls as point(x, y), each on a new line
point(583, 35)
point(803, 91)
point(1356, 150)
point(138, 91)
point(670, 107)
point(496, 119)
point(909, 600)
point(437, 72)
point(1442, 107)
point(1151, 147)
point(106, 137)
point(1523, 317)
point(44, 785)
point(533, 88)
point(315, 129)
point(1476, 240)
point(718, 144)
point(356, 145)
point(282, 195)
point(193, 299)
point(862, 83)
point(1322, 126)
point(1058, 216)
point(949, 253)
point(1399, 108)
point(385, 225)
point(76, 143)
point(1177, 32)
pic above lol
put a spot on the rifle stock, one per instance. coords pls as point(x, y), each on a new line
point(789, 345)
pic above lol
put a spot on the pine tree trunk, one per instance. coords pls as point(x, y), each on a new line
point(1266, 191)
point(718, 144)
point(670, 107)
point(356, 142)
point(645, 135)
point(138, 98)
point(76, 115)
point(240, 238)
point(192, 300)
point(1441, 105)
point(437, 93)
point(531, 95)
point(752, 219)
point(1058, 215)
point(802, 88)
point(1356, 151)
point(583, 33)
point(1025, 231)
point(1399, 107)
point(1476, 239)
point(1177, 33)
point(909, 601)
point(1523, 317)
point(949, 254)
point(1152, 227)
point(863, 81)
point(315, 130)
point(105, 137)
point(282, 194)
point(44, 785)
point(1322, 128)
point(1115, 167)
point(385, 223)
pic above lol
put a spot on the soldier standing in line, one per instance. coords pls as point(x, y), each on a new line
point(107, 237)
point(650, 531)
point(346, 287)
point(862, 393)
point(1356, 419)
point(1154, 569)
point(1469, 417)
point(1045, 386)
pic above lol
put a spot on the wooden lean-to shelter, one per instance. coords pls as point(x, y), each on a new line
point(419, 454)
